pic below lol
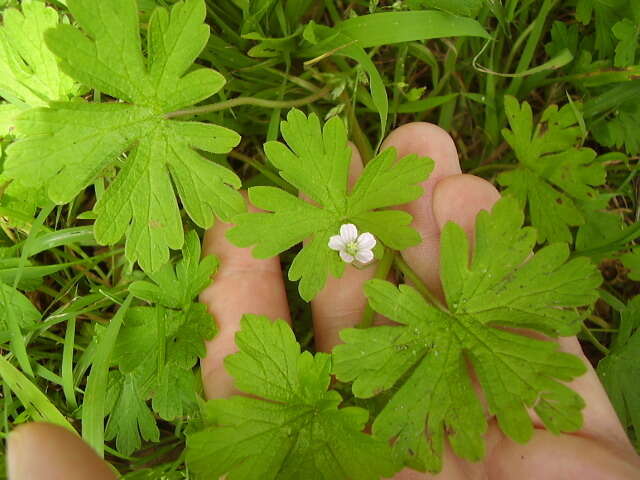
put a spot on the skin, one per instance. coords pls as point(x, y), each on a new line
point(600, 450)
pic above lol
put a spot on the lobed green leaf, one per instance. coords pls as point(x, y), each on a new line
point(80, 140)
point(317, 164)
point(291, 427)
point(554, 175)
point(493, 297)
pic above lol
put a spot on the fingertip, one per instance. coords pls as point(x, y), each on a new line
point(601, 422)
point(548, 455)
point(427, 140)
point(460, 198)
point(47, 451)
point(243, 284)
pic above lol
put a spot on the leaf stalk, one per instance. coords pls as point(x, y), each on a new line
point(382, 271)
point(257, 102)
point(417, 283)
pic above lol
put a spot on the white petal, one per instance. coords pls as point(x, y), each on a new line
point(336, 243)
point(366, 241)
point(364, 256)
point(346, 257)
point(348, 232)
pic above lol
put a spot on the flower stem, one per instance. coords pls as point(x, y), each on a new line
point(258, 102)
point(594, 341)
point(266, 171)
point(417, 283)
point(493, 166)
point(601, 322)
point(382, 271)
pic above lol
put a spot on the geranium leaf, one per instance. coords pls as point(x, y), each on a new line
point(316, 162)
point(425, 359)
point(80, 140)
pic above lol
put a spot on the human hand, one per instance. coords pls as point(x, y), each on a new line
point(247, 285)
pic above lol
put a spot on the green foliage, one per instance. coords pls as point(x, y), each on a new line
point(350, 36)
point(554, 173)
point(157, 349)
point(95, 399)
point(631, 260)
point(35, 401)
point(176, 287)
point(16, 315)
point(601, 226)
point(627, 32)
point(467, 8)
point(605, 70)
point(125, 121)
point(605, 14)
point(17, 307)
point(425, 358)
point(317, 164)
point(31, 77)
point(620, 369)
point(29, 70)
point(140, 201)
point(614, 115)
point(291, 426)
point(622, 130)
point(129, 416)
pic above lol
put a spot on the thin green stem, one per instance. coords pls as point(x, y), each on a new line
point(357, 134)
point(493, 166)
point(619, 73)
point(594, 341)
point(257, 102)
point(67, 363)
point(417, 283)
point(295, 80)
point(532, 43)
point(238, 40)
point(158, 452)
point(359, 137)
point(382, 271)
point(601, 322)
point(516, 46)
point(333, 12)
point(262, 169)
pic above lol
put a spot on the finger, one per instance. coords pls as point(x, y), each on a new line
point(600, 419)
point(452, 469)
point(46, 451)
point(558, 457)
point(243, 284)
point(341, 303)
point(457, 199)
point(428, 140)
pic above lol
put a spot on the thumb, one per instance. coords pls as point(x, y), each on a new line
point(49, 452)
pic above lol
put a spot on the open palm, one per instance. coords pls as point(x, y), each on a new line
point(600, 450)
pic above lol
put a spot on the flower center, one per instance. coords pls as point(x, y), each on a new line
point(352, 248)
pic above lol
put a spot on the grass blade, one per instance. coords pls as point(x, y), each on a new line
point(95, 393)
point(67, 363)
point(36, 402)
point(397, 27)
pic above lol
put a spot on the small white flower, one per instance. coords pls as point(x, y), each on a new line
point(351, 246)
